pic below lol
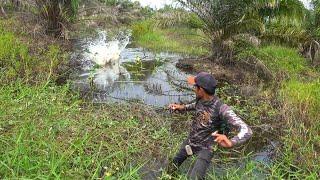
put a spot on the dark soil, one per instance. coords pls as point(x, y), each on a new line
point(230, 73)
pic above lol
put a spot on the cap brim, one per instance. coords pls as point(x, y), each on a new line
point(191, 80)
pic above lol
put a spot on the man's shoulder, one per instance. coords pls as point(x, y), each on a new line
point(220, 106)
point(217, 102)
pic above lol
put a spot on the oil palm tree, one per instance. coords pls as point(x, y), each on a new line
point(225, 19)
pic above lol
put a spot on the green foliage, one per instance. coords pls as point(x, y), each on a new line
point(279, 59)
point(286, 34)
point(16, 63)
point(74, 8)
point(241, 45)
point(169, 17)
point(316, 11)
point(48, 133)
point(224, 19)
point(57, 14)
point(301, 103)
point(15, 60)
point(178, 40)
point(271, 10)
point(111, 2)
point(194, 21)
point(125, 4)
point(286, 23)
point(141, 28)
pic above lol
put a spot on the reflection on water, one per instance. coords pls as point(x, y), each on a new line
point(132, 75)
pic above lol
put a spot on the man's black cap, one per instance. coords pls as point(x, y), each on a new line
point(204, 80)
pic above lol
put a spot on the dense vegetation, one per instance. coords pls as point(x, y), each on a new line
point(48, 131)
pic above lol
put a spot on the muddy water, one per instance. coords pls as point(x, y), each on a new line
point(112, 72)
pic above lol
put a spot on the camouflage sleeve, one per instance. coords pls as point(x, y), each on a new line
point(191, 106)
point(245, 131)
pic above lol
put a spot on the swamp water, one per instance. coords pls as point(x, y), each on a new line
point(110, 71)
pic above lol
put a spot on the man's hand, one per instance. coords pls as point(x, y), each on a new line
point(222, 140)
point(177, 107)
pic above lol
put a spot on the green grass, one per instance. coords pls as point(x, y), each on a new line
point(282, 61)
point(300, 97)
point(299, 126)
point(301, 103)
point(10, 50)
point(177, 40)
point(285, 59)
point(17, 61)
point(49, 133)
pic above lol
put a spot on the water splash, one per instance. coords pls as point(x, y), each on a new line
point(106, 76)
point(119, 77)
point(103, 51)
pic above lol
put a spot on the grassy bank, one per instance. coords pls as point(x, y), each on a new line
point(299, 96)
point(31, 60)
point(177, 40)
point(301, 102)
point(49, 133)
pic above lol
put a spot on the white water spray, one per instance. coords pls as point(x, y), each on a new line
point(102, 52)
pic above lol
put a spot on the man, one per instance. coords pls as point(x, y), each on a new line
point(209, 126)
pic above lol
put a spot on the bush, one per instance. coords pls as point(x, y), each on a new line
point(57, 14)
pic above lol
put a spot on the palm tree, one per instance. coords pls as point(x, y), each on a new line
point(225, 19)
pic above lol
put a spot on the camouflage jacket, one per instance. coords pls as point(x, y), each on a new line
point(214, 116)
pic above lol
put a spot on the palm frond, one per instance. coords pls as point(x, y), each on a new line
point(286, 34)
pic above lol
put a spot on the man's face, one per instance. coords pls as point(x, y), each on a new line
point(198, 91)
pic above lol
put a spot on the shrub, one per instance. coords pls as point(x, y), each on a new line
point(57, 13)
